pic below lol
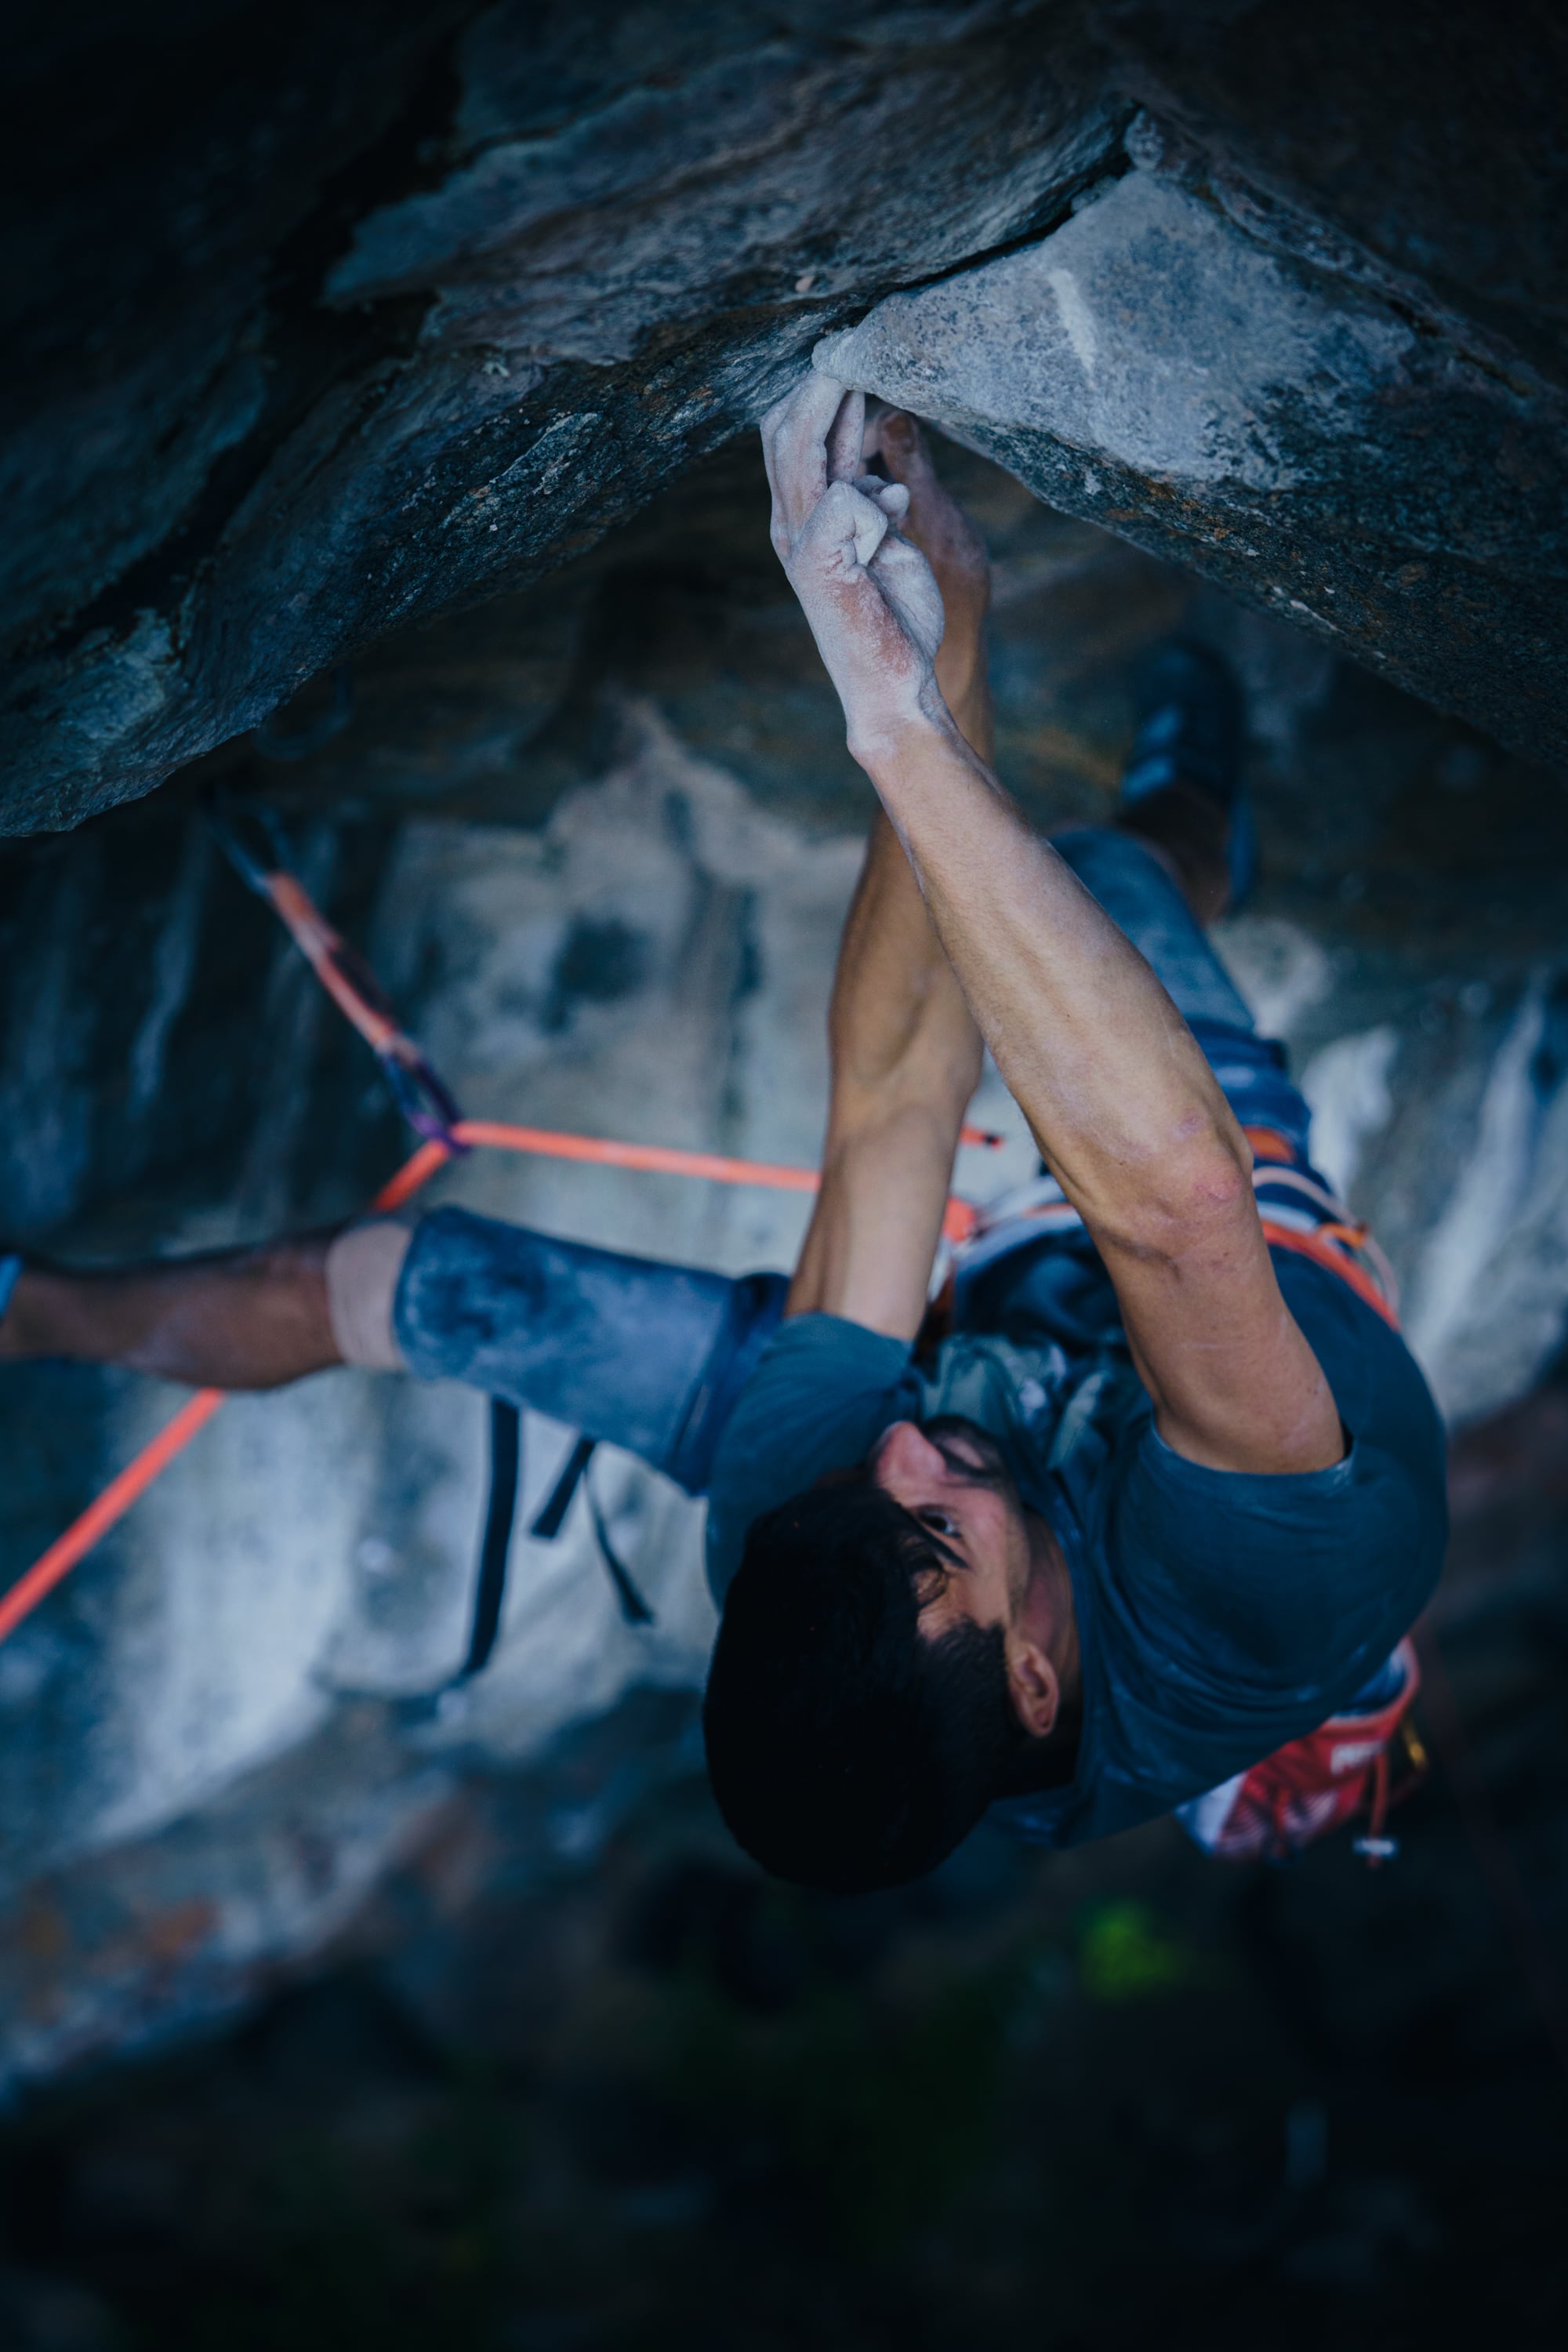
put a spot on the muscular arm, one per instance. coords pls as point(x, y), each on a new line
point(1124, 1106)
point(905, 1061)
point(905, 1051)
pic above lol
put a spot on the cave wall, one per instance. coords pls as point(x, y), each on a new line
point(320, 323)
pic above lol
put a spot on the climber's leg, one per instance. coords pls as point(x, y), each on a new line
point(643, 1354)
point(1170, 863)
point(1180, 848)
point(246, 1319)
point(1139, 890)
point(1191, 833)
point(1181, 791)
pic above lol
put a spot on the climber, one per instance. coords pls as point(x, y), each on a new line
point(1148, 1493)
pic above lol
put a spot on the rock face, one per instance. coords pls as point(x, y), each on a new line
point(418, 300)
point(1289, 429)
point(320, 323)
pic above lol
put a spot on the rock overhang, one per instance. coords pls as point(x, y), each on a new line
point(1287, 430)
point(419, 306)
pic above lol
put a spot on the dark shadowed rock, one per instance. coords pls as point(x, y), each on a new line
point(323, 322)
point(414, 308)
point(1294, 433)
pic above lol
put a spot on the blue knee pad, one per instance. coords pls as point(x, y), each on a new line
point(636, 1353)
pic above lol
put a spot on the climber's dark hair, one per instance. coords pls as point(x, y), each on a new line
point(846, 1752)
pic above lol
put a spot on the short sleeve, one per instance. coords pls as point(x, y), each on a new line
point(1291, 1588)
point(822, 1393)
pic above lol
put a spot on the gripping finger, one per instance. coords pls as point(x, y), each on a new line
point(892, 497)
point(909, 587)
point(844, 531)
point(845, 436)
point(794, 439)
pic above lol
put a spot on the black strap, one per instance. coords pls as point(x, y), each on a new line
point(552, 1518)
point(506, 1478)
point(552, 1511)
point(634, 1608)
point(489, 1589)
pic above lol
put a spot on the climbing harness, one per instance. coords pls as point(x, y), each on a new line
point(1299, 1213)
point(1319, 1783)
point(1296, 1209)
point(445, 1134)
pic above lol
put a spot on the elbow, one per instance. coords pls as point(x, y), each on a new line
point(1194, 1201)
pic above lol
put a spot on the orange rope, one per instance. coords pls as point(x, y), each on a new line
point(321, 949)
point(657, 1159)
point(112, 1505)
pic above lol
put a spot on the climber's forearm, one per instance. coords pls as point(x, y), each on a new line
point(1124, 1104)
point(1126, 1110)
point(250, 1318)
point(905, 1052)
point(905, 1062)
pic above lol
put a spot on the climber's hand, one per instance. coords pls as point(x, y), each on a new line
point(956, 553)
point(870, 594)
point(935, 521)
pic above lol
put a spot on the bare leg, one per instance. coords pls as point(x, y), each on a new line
point(250, 1318)
point(1190, 831)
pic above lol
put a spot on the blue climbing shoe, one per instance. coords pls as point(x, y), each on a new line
point(1191, 730)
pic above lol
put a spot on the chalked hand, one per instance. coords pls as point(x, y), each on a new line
point(869, 592)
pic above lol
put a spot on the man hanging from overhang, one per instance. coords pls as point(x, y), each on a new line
point(1155, 1489)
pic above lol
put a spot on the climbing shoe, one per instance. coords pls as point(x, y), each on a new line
point(1191, 731)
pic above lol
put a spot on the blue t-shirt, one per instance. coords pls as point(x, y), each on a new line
point(1219, 1613)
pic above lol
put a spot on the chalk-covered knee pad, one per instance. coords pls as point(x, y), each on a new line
point(640, 1354)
